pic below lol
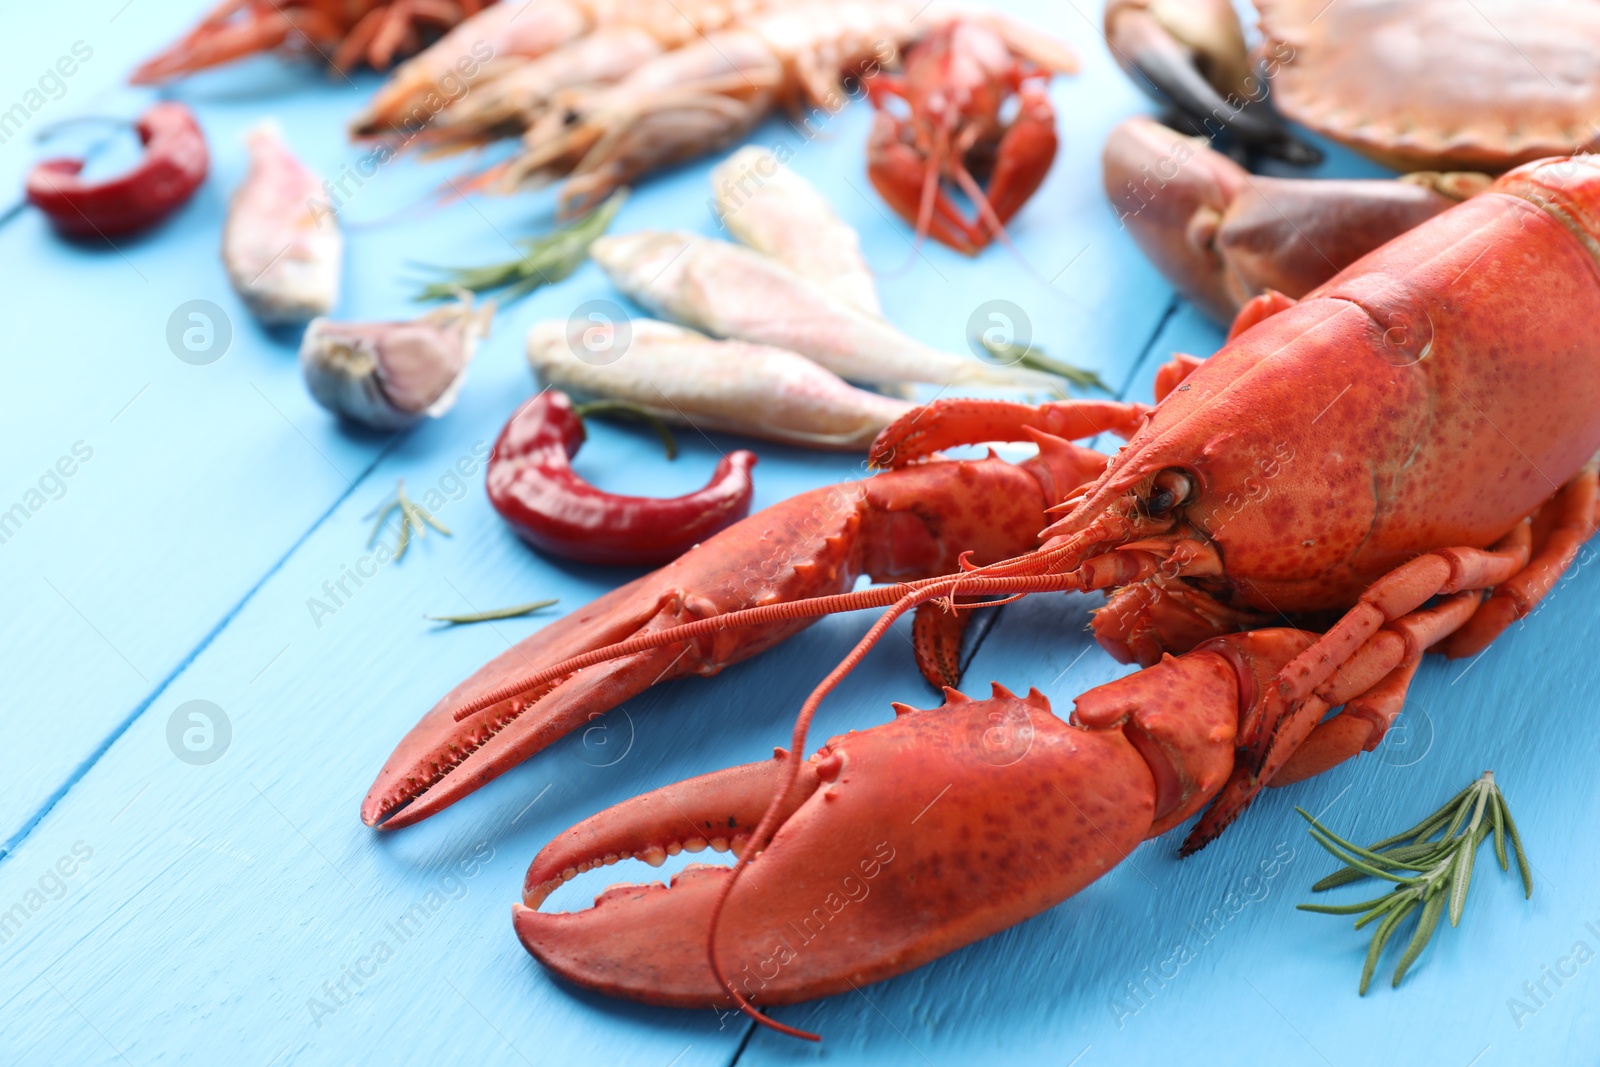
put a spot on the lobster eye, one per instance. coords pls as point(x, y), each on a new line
point(1169, 489)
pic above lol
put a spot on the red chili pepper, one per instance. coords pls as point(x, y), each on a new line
point(534, 488)
point(174, 164)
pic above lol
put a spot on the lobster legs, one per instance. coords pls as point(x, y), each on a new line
point(1366, 661)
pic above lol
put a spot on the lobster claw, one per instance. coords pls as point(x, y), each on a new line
point(906, 524)
point(440, 760)
point(898, 844)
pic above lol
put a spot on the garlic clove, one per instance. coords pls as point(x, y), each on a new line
point(390, 375)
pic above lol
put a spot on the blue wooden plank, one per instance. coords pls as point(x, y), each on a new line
point(213, 906)
point(271, 463)
point(223, 899)
point(197, 478)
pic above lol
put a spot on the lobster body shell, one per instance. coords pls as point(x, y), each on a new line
point(1460, 379)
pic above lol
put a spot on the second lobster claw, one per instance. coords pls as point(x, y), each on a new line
point(899, 844)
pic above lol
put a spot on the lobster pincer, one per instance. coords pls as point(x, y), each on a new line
point(899, 843)
point(911, 524)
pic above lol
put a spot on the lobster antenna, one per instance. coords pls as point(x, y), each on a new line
point(879, 597)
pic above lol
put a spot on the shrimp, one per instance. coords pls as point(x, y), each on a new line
point(506, 36)
point(499, 37)
point(282, 251)
point(507, 105)
point(733, 292)
point(707, 94)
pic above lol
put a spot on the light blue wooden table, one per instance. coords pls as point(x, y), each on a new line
point(182, 913)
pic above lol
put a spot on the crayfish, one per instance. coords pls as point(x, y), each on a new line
point(976, 107)
point(1400, 462)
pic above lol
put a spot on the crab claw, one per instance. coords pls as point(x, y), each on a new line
point(1223, 236)
point(898, 844)
point(1190, 56)
point(897, 526)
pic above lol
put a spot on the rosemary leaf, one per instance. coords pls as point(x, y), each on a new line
point(1455, 822)
point(1413, 857)
point(1420, 938)
point(1345, 909)
point(1343, 876)
point(427, 517)
point(1393, 900)
point(1499, 834)
point(1460, 879)
point(403, 541)
point(1477, 808)
point(1379, 939)
point(1369, 863)
point(1516, 844)
point(494, 615)
point(1011, 353)
point(1443, 866)
point(545, 260)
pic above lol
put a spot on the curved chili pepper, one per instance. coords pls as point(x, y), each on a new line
point(534, 488)
point(174, 164)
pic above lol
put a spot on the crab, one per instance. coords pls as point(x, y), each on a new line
point(1462, 85)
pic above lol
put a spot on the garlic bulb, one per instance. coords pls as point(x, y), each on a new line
point(389, 375)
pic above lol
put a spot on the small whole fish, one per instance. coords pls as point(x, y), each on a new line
point(281, 243)
point(733, 292)
point(768, 207)
point(687, 378)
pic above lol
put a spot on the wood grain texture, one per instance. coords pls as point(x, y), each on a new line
point(210, 908)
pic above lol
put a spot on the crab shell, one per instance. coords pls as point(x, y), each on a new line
point(1439, 84)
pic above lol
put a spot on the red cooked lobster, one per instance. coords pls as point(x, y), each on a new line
point(1402, 461)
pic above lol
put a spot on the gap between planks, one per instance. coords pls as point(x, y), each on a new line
point(78, 773)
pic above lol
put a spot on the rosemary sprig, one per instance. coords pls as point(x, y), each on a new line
point(629, 410)
point(494, 615)
point(1442, 866)
point(413, 516)
point(1011, 353)
point(546, 259)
